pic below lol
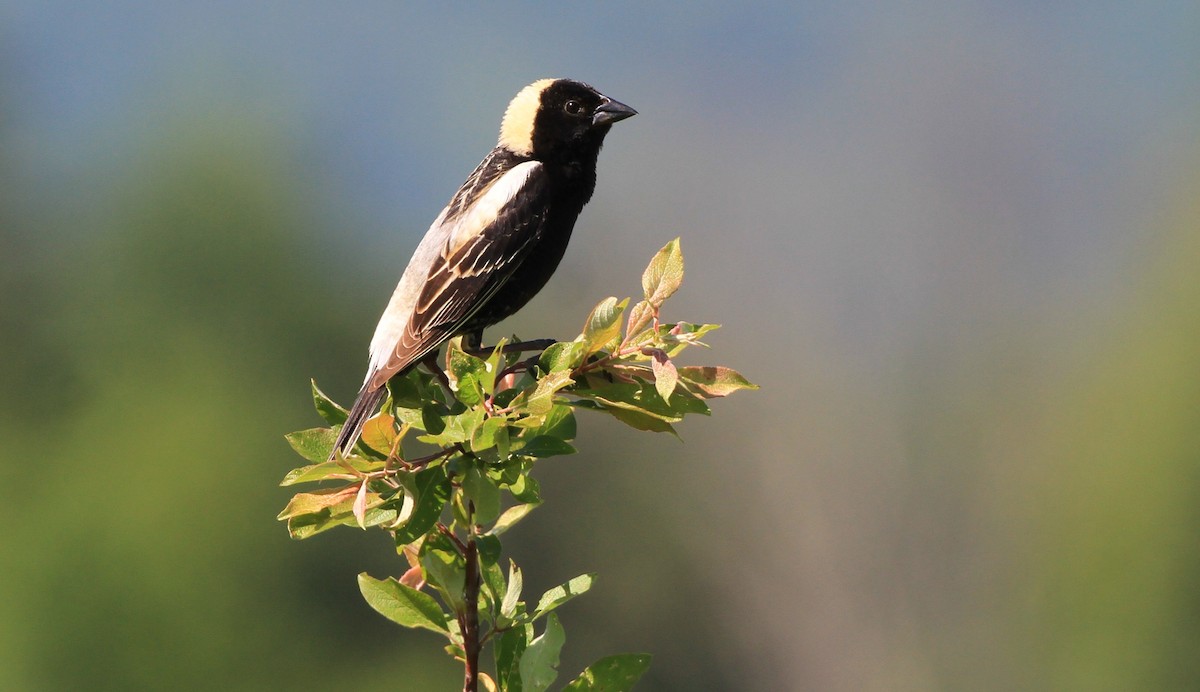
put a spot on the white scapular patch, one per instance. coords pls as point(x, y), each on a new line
point(516, 130)
point(441, 240)
point(487, 207)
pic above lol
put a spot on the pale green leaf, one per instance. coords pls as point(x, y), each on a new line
point(539, 663)
point(313, 444)
point(559, 595)
point(403, 605)
point(664, 274)
point(616, 673)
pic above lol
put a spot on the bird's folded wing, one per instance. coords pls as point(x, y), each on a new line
point(484, 246)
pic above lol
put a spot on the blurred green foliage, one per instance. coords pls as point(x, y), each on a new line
point(151, 356)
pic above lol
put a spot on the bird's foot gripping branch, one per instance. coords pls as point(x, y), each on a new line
point(448, 502)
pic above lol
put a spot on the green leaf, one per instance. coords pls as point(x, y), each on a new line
point(603, 326)
point(564, 355)
point(495, 363)
point(431, 490)
point(664, 274)
point(311, 513)
point(526, 489)
point(457, 428)
point(616, 673)
point(544, 446)
point(559, 595)
point(415, 389)
point(511, 516)
point(468, 374)
point(444, 567)
point(493, 583)
point(541, 400)
point(483, 493)
point(403, 605)
point(641, 421)
point(713, 381)
point(493, 432)
point(509, 648)
point(329, 411)
point(539, 663)
point(313, 444)
point(330, 470)
point(643, 397)
point(559, 423)
point(488, 545)
point(315, 502)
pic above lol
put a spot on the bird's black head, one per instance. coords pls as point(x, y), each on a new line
point(559, 120)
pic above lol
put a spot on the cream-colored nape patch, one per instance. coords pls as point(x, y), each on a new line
point(516, 130)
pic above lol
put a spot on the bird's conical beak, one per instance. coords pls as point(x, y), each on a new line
point(610, 111)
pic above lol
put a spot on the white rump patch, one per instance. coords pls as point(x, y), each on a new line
point(516, 130)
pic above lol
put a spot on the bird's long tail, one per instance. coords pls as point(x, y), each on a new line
point(364, 407)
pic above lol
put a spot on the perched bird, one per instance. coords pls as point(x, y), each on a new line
point(500, 238)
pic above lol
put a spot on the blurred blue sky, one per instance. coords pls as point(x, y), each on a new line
point(878, 148)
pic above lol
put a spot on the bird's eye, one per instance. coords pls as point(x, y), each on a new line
point(573, 107)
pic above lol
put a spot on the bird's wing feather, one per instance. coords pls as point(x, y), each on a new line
point(482, 248)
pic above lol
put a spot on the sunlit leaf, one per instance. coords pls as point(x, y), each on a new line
point(665, 375)
point(527, 489)
point(359, 509)
point(484, 494)
point(512, 595)
point(541, 399)
point(539, 663)
point(714, 381)
point(313, 444)
point(330, 470)
point(508, 650)
point(467, 374)
point(493, 432)
point(640, 317)
point(644, 398)
point(559, 595)
point(616, 673)
point(559, 423)
point(511, 516)
point(403, 605)
point(329, 411)
point(603, 325)
point(664, 274)
point(456, 428)
point(494, 587)
point(445, 568)
point(641, 421)
point(379, 433)
point(564, 355)
point(431, 489)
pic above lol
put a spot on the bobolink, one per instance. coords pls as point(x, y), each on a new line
point(500, 238)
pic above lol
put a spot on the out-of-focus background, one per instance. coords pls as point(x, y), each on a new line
point(957, 244)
